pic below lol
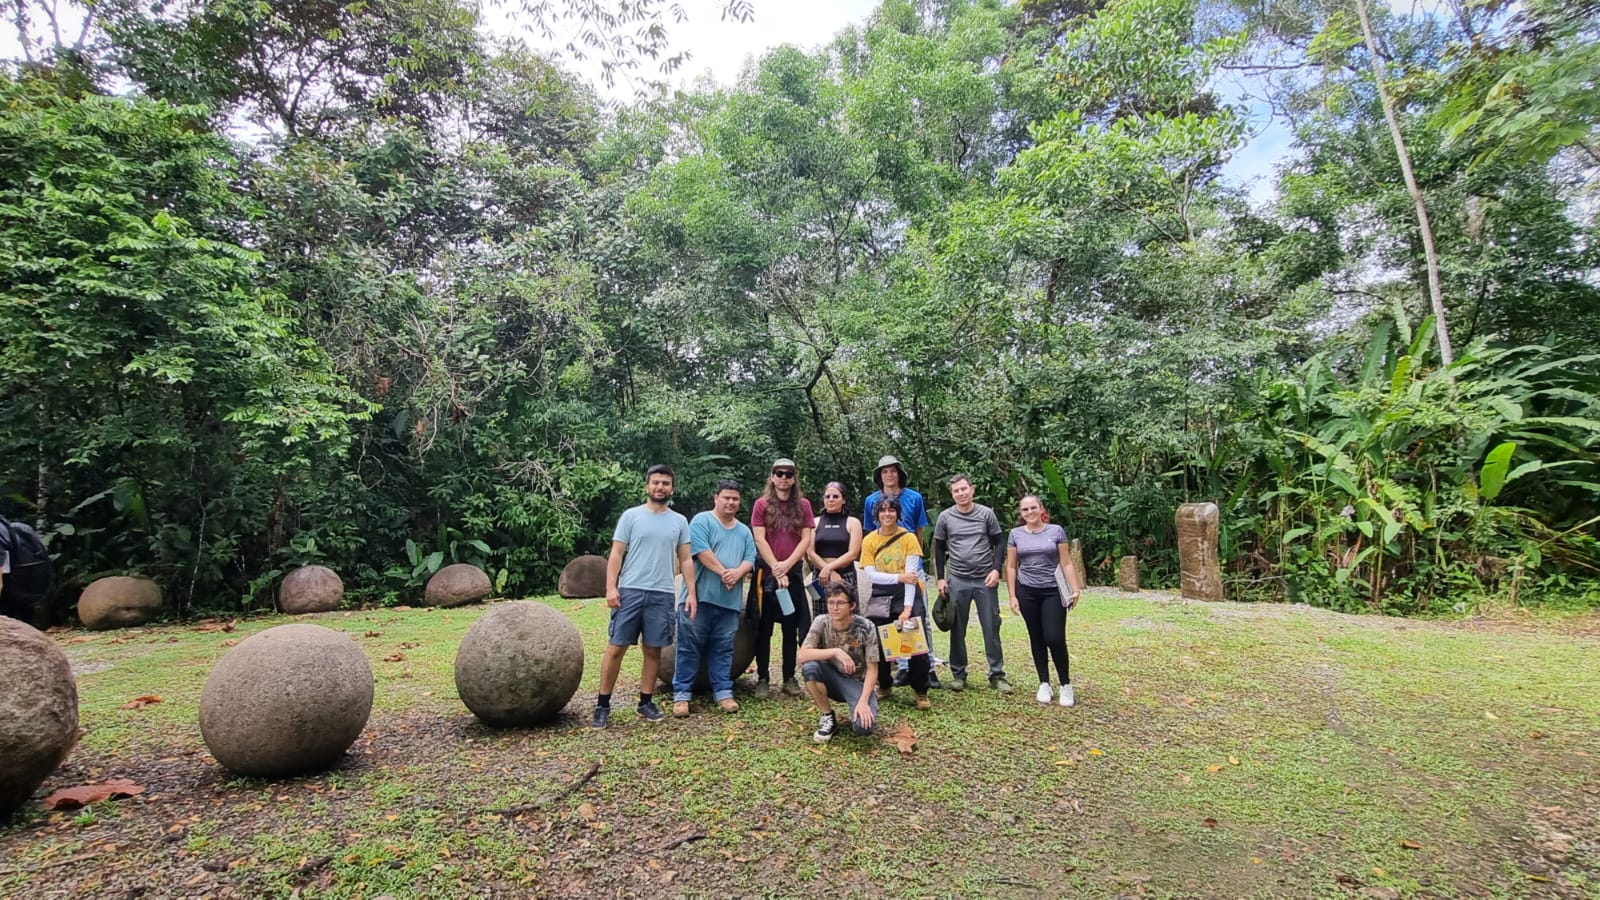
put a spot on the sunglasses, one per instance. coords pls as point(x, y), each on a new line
point(782, 473)
point(833, 496)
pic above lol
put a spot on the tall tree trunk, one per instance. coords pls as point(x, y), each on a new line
point(1431, 255)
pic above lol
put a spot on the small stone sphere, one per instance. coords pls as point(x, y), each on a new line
point(38, 711)
point(457, 585)
point(289, 700)
point(744, 653)
point(519, 664)
point(310, 589)
point(120, 601)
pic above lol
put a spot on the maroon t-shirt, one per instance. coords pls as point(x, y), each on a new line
point(781, 542)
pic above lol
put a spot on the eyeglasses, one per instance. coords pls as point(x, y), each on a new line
point(782, 473)
point(833, 496)
point(838, 602)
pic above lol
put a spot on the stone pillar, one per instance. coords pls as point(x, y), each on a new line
point(1128, 574)
point(1201, 574)
point(1077, 564)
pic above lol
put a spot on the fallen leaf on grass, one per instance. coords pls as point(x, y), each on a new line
point(1208, 823)
point(1233, 760)
point(373, 634)
point(586, 812)
point(85, 794)
point(395, 657)
point(904, 738)
point(1063, 762)
point(1096, 751)
point(141, 702)
point(231, 642)
point(1214, 768)
point(1490, 716)
point(1410, 845)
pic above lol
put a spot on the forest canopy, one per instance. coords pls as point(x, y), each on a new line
point(362, 285)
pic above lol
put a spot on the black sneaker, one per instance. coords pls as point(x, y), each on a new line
point(602, 717)
point(649, 712)
point(825, 726)
point(934, 684)
point(902, 678)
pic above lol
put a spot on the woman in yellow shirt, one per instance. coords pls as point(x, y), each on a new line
point(891, 558)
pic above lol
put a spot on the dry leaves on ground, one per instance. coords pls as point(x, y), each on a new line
point(904, 738)
point(85, 794)
point(141, 701)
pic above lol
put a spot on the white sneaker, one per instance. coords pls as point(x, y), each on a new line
point(1067, 698)
point(1044, 693)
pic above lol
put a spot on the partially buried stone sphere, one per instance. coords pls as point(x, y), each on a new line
point(291, 699)
point(120, 601)
point(38, 711)
point(457, 585)
point(310, 589)
point(519, 665)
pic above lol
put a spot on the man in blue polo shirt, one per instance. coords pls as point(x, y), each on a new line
point(724, 551)
point(639, 577)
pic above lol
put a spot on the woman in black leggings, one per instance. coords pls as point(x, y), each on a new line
point(1034, 551)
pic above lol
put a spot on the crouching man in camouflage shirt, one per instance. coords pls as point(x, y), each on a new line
point(839, 661)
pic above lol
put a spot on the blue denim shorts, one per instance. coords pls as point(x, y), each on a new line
point(645, 617)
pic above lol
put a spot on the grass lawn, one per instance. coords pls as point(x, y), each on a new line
point(1217, 750)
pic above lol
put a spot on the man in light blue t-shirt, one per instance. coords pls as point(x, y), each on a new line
point(639, 575)
point(724, 551)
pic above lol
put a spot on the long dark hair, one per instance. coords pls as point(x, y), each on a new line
point(781, 515)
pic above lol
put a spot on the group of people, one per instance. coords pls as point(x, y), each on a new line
point(859, 581)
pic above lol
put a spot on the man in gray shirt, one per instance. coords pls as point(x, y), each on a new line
point(969, 548)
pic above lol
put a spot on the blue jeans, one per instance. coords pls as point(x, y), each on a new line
point(706, 639)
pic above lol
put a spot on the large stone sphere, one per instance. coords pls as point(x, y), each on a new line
point(310, 589)
point(519, 664)
point(744, 653)
point(120, 601)
point(583, 579)
point(457, 585)
point(38, 711)
point(288, 700)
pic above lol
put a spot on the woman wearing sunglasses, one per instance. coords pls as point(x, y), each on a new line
point(782, 521)
point(834, 547)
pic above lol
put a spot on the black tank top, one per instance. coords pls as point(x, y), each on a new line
point(832, 538)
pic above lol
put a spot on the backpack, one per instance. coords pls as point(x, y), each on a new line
point(32, 573)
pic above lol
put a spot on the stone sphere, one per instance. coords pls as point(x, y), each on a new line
point(583, 579)
point(310, 589)
point(288, 700)
point(120, 601)
point(457, 585)
point(38, 711)
point(519, 664)
point(744, 653)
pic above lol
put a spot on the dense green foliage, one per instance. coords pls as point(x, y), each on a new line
point(340, 283)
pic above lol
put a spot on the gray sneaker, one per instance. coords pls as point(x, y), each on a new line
point(958, 683)
point(792, 688)
point(1000, 684)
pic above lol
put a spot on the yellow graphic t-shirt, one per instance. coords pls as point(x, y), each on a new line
point(888, 553)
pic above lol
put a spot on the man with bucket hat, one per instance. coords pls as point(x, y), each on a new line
point(891, 479)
